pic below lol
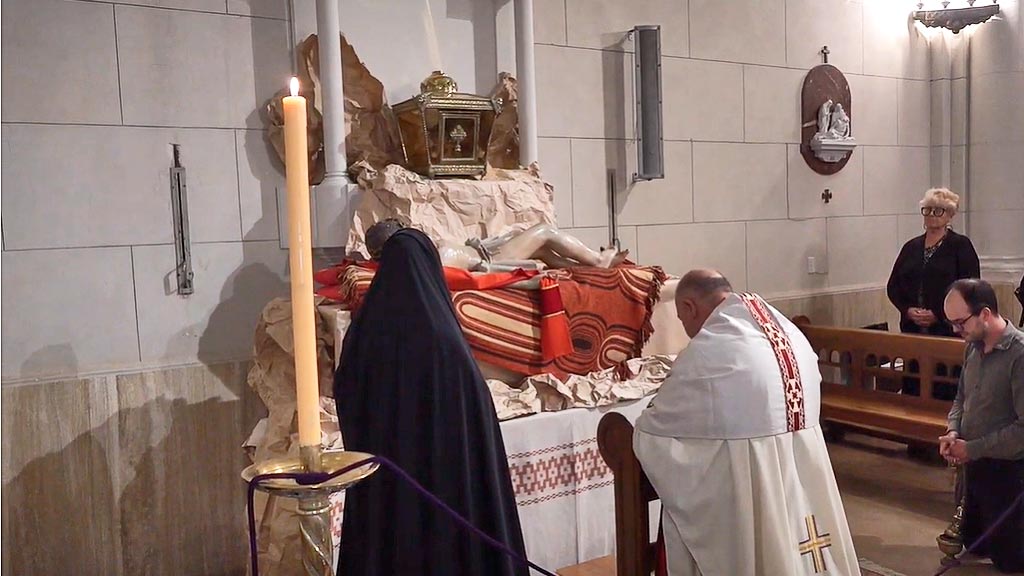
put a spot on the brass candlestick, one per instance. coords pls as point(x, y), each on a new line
point(314, 500)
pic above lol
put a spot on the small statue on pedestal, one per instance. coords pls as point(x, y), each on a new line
point(840, 128)
point(832, 142)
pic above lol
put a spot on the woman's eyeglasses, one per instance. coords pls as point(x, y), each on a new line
point(932, 211)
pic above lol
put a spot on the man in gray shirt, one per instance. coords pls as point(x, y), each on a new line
point(986, 423)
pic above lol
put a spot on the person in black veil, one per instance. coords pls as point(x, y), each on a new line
point(407, 388)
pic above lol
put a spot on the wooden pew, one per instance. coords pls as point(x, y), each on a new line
point(863, 371)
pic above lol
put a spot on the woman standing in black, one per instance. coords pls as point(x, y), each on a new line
point(925, 268)
point(928, 264)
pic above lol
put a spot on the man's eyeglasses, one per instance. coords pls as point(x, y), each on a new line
point(959, 324)
point(932, 211)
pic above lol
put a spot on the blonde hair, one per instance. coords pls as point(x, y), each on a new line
point(942, 197)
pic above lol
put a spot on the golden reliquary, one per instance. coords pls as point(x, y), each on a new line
point(444, 132)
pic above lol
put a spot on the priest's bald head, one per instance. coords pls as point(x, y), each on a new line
point(698, 294)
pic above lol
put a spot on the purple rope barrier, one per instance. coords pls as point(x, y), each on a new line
point(984, 535)
point(310, 478)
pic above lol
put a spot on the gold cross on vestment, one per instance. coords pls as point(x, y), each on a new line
point(814, 544)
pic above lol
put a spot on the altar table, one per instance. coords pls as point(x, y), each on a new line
point(563, 487)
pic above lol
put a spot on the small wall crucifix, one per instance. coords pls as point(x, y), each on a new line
point(824, 53)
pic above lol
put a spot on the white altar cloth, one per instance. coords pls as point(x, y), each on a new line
point(563, 487)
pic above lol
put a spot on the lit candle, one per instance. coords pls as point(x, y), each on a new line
point(301, 267)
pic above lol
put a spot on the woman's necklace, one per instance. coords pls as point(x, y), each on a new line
point(937, 242)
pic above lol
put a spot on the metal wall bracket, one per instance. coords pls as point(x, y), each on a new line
point(613, 217)
point(179, 210)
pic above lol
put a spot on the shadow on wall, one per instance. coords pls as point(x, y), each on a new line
point(139, 473)
point(153, 490)
point(618, 115)
point(261, 276)
point(54, 359)
point(480, 15)
point(229, 331)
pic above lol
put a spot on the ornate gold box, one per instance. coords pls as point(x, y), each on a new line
point(444, 132)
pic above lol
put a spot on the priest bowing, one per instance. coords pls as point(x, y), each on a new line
point(732, 445)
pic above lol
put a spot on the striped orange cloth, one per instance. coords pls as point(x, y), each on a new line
point(348, 283)
point(608, 312)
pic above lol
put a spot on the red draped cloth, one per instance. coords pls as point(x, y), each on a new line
point(581, 320)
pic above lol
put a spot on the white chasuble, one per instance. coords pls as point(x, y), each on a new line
point(732, 445)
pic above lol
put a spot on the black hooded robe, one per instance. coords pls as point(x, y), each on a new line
point(408, 389)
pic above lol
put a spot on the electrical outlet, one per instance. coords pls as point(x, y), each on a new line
point(817, 265)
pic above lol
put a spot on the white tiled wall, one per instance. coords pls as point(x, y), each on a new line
point(260, 175)
point(895, 178)
point(190, 69)
point(875, 104)
point(69, 73)
point(751, 32)
point(915, 102)
point(893, 45)
point(681, 247)
point(738, 181)
point(806, 34)
point(777, 253)
point(771, 104)
point(96, 94)
point(603, 23)
point(702, 100)
point(68, 310)
point(555, 156)
point(108, 185)
point(233, 279)
point(805, 188)
point(94, 105)
point(996, 138)
point(732, 76)
point(582, 92)
point(861, 249)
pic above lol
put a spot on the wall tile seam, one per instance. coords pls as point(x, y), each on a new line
point(136, 126)
point(139, 369)
point(186, 10)
point(924, 78)
point(701, 141)
point(142, 245)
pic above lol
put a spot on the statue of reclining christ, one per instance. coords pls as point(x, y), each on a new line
point(514, 249)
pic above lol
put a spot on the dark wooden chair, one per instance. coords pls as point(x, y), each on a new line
point(635, 555)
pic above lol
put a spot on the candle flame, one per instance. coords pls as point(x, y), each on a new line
point(294, 85)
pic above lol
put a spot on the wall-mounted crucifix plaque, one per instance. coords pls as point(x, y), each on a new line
point(826, 141)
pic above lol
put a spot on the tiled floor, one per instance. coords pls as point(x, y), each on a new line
point(896, 506)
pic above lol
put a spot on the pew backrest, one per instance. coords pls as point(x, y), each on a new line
point(863, 372)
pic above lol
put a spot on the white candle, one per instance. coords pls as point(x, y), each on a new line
point(307, 389)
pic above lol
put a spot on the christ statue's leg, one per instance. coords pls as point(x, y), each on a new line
point(541, 240)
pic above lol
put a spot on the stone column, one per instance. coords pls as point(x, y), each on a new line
point(526, 76)
point(331, 199)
